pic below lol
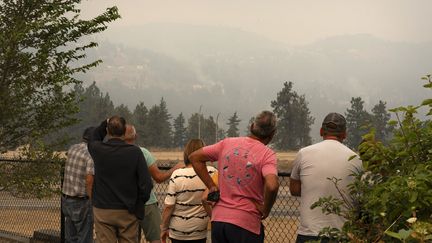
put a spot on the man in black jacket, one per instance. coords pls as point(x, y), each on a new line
point(122, 183)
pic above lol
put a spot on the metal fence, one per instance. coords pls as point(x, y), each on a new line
point(26, 219)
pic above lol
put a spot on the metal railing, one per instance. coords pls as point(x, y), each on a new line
point(21, 217)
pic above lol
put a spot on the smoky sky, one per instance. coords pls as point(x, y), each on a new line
point(291, 22)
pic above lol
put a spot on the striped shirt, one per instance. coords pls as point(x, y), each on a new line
point(189, 219)
point(79, 164)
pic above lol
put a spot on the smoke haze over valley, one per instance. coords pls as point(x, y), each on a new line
point(227, 68)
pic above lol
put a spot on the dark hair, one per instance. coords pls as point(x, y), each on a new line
point(87, 133)
point(116, 126)
point(192, 146)
point(264, 124)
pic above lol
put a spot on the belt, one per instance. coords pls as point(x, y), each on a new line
point(75, 197)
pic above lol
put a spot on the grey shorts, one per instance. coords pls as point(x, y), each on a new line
point(151, 222)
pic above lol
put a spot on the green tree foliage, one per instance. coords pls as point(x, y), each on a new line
point(220, 134)
point(38, 175)
point(158, 126)
point(180, 131)
point(123, 111)
point(139, 120)
point(207, 127)
point(193, 125)
point(41, 47)
point(380, 119)
point(208, 130)
point(358, 120)
point(93, 107)
point(393, 195)
point(294, 119)
point(233, 122)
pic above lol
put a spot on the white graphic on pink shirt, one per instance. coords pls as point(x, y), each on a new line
point(238, 167)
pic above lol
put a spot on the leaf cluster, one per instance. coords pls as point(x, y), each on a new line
point(42, 48)
point(393, 191)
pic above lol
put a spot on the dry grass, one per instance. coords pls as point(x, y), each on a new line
point(284, 158)
point(26, 221)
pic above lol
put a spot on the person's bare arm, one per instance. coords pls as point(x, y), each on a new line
point(205, 203)
point(159, 175)
point(89, 185)
point(271, 187)
point(198, 160)
point(295, 187)
point(166, 216)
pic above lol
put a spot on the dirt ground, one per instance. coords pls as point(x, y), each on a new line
point(25, 221)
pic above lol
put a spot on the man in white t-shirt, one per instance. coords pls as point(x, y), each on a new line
point(309, 177)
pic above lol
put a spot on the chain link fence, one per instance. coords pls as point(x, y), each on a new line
point(29, 219)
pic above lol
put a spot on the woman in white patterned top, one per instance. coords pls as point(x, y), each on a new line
point(184, 218)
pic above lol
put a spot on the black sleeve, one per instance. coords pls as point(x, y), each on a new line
point(99, 132)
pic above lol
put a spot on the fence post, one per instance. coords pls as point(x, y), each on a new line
point(62, 217)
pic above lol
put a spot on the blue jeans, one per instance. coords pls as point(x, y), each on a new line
point(78, 220)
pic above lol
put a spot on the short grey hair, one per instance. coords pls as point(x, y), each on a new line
point(130, 134)
point(264, 124)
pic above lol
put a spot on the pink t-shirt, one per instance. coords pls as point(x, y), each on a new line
point(242, 163)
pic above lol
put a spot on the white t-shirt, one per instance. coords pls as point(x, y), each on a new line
point(189, 219)
point(312, 166)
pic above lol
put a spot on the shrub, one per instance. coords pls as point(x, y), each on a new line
point(393, 196)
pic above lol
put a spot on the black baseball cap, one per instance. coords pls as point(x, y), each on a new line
point(334, 123)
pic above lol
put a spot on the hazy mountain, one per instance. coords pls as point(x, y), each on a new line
point(228, 70)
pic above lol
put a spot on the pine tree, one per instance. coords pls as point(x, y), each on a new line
point(208, 131)
point(358, 120)
point(221, 134)
point(294, 119)
point(93, 107)
point(158, 126)
point(233, 122)
point(180, 131)
point(380, 119)
point(139, 120)
point(193, 125)
point(124, 112)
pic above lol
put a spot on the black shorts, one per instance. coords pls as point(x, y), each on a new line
point(229, 233)
point(306, 238)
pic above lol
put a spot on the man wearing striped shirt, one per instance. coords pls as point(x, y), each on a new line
point(77, 184)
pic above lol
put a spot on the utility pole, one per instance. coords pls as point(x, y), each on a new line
point(216, 132)
point(199, 122)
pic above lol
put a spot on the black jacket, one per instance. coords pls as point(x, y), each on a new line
point(121, 179)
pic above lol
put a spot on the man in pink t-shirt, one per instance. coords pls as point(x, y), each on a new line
point(248, 182)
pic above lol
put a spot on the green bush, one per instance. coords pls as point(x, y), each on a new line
point(393, 195)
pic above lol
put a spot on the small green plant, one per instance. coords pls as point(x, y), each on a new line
point(393, 196)
point(36, 173)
